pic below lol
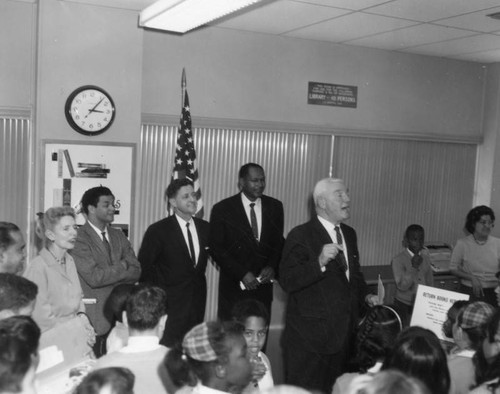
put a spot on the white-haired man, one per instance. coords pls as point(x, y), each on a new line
point(320, 271)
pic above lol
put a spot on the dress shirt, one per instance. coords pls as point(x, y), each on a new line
point(99, 232)
point(194, 235)
point(257, 208)
point(330, 229)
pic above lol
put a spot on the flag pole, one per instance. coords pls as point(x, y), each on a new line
point(183, 86)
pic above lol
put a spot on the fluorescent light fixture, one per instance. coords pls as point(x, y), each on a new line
point(183, 15)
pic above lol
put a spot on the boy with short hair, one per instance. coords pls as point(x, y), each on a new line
point(253, 315)
point(17, 295)
point(411, 267)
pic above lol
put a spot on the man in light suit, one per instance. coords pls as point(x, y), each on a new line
point(246, 238)
point(320, 271)
point(104, 258)
point(173, 256)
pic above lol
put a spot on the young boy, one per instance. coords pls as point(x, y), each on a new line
point(411, 267)
point(254, 316)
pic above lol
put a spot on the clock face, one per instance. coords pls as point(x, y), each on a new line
point(90, 110)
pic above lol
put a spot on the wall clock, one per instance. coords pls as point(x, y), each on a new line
point(90, 110)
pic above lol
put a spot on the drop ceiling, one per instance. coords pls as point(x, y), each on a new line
point(457, 29)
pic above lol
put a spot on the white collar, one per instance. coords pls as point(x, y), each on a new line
point(137, 344)
point(246, 201)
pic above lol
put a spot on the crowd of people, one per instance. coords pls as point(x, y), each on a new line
point(139, 320)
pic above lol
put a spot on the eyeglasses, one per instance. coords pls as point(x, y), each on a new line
point(487, 223)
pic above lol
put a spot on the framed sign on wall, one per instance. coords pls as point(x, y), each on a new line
point(71, 168)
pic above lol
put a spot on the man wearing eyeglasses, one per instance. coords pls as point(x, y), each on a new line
point(104, 258)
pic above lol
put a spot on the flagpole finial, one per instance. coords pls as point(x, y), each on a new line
point(183, 82)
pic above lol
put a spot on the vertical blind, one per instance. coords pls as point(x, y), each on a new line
point(395, 183)
point(293, 162)
point(14, 169)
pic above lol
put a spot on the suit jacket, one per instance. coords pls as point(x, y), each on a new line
point(99, 273)
point(235, 249)
point(323, 307)
point(166, 262)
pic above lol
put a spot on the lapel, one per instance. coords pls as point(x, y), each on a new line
point(97, 241)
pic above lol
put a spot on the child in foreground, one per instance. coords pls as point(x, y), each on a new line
point(212, 357)
point(254, 316)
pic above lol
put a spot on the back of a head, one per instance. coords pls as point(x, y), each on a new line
point(418, 353)
point(116, 302)
point(451, 317)
point(19, 339)
point(487, 357)
point(376, 335)
point(145, 306)
point(388, 382)
point(115, 380)
point(16, 294)
point(472, 319)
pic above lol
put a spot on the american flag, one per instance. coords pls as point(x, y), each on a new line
point(185, 155)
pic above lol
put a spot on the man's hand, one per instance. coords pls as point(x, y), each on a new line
point(372, 300)
point(416, 261)
point(328, 253)
point(250, 281)
point(266, 275)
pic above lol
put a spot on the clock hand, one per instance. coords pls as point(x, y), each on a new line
point(96, 110)
point(95, 106)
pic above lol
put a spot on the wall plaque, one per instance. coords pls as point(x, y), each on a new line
point(334, 95)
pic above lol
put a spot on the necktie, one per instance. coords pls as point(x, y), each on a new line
point(191, 245)
point(253, 221)
point(106, 243)
point(341, 253)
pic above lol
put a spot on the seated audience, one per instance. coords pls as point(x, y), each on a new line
point(114, 308)
point(376, 336)
point(19, 339)
point(487, 358)
point(411, 267)
point(418, 353)
point(113, 380)
point(12, 249)
point(53, 270)
point(475, 257)
point(212, 357)
point(253, 315)
point(17, 296)
point(387, 382)
point(468, 333)
point(145, 317)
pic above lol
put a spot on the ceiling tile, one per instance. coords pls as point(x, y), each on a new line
point(349, 27)
point(471, 44)
point(410, 36)
point(476, 21)
point(348, 4)
point(430, 10)
point(282, 16)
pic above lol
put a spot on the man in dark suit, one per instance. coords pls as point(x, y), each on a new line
point(246, 238)
point(104, 258)
point(320, 271)
point(173, 256)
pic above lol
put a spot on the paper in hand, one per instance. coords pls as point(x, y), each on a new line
point(380, 291)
